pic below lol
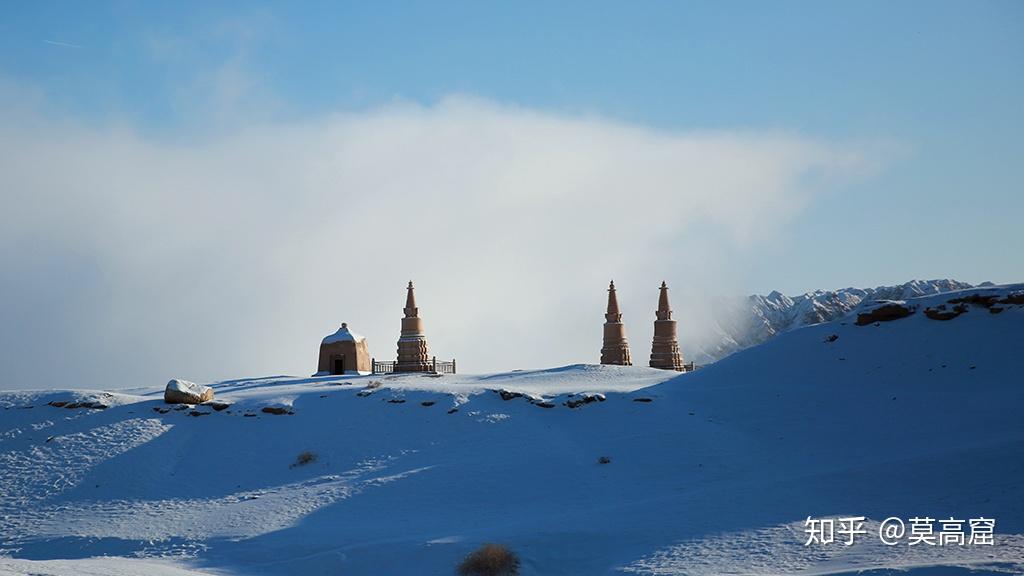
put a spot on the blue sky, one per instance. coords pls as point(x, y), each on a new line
point(833, 68)
point(941, 81)
point(197, 155)
point(853, 69)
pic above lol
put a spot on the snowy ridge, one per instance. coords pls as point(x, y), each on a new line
point(709, 472)
point(758, 318)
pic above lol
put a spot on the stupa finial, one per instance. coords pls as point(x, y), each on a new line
point(612, 314)
point(410, 302)
point(664, 311)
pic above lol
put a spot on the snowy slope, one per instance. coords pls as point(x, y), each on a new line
point(713, 475)
point(757, 318)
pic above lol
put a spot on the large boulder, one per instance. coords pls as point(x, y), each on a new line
point(185, 392)
point(884, 311)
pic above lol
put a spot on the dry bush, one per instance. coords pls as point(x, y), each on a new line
point(304, 458)
point(490, 560)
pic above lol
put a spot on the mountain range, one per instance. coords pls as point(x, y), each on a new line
point(755, 319)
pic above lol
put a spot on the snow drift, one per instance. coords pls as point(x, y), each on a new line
point(709, 472)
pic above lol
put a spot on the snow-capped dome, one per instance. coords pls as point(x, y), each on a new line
point(343, 335)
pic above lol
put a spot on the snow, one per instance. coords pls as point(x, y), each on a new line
point(756, 319)
point(343, 335)
point(186, 387)
point(93, 567)
point(714, 475)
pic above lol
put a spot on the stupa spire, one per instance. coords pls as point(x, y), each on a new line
point(411, 311)
point(665, 345)
point(664, 312)
point(615, 348)
point(613, 314)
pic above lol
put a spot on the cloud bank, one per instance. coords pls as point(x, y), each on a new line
point(129, 259)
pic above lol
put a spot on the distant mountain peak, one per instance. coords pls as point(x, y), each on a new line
point(760, 317)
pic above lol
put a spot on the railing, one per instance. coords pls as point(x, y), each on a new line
point(442, 367)
point(382, 367)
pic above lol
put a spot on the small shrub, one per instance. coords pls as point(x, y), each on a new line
point(490, 560)
point(304, 458)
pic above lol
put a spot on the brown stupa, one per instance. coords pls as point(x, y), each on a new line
point(412, 345)
point(615, 349)
point(665, 348)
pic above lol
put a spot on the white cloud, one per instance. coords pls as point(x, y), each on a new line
point(129, 259)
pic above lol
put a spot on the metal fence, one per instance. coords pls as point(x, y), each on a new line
point(442, 367)
point(383, 367)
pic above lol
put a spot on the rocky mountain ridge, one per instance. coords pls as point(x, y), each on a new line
point(757, 318)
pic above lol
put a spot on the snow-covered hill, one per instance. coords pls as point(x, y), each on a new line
point(755, 319)
point(710, 472)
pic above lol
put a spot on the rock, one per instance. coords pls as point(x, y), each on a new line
point(1013, 298)
point(604, 460)
point(453, 410)
point(85, 404)
point(886, 311)
point(832, 338)
point(277, 410)
point(545, 404)
point(642, 399)
point(396, 401)
point(506, 395)
point(978, 299)
point(584, 399)
point(218, 406)
point(199, 413)
point(185, 392)
point(58, 403)
point(941, 313)
point(995, 310)
point(427, 403)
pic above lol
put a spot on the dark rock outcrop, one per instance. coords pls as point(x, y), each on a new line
point(884, 312)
